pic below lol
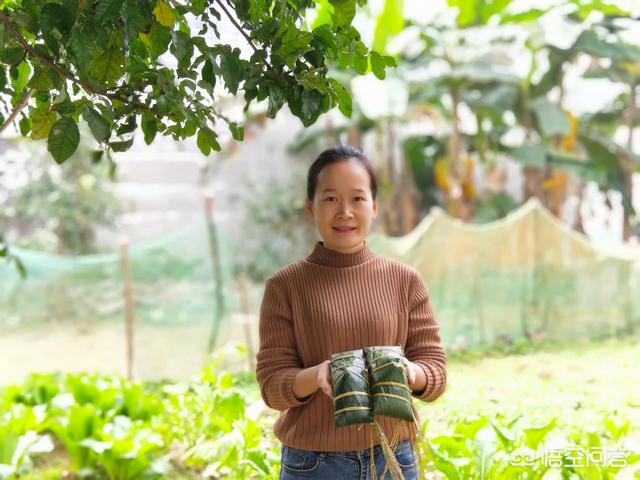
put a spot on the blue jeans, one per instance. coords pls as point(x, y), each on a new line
point(352, 465)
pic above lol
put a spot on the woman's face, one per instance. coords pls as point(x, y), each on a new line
point(342, 206)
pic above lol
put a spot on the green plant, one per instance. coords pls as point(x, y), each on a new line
point(59, 207)
point(73, 428)
point(19, 440)
point(275, 226)
point(128, 450)
point(106, 62)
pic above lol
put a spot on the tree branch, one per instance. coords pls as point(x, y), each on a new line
point(236, 24)
point(239, 28)
point(65, 74)
point(23, 103)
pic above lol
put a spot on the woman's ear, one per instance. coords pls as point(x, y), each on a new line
point(375, 208)
point(309, 208)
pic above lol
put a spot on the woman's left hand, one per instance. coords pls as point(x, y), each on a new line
point(412, 371)
point(415, 375)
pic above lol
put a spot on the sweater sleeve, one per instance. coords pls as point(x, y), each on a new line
point(423, 341)
point(277, 360)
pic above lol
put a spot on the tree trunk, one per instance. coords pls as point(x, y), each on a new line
point(579, 226)
point(354, 135)
point(627, 163)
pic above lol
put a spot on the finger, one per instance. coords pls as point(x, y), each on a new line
point(327, 389)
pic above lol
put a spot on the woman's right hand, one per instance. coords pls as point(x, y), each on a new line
point(324, 378)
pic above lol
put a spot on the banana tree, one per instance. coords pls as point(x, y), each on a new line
point(477, 79)
point(598, 134)
point(584, 146)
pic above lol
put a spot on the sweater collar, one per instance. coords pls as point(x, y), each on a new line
point(322, 255)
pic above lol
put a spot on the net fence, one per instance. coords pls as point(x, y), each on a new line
point(527, 275)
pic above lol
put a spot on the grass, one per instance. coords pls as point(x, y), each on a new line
point(579, 383)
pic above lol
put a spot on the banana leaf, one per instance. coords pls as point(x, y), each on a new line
point(350, 388)
point(389, 386)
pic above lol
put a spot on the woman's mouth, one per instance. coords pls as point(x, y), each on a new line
point(344, 229)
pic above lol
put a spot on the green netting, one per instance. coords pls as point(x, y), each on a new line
point(527, 274)
point(69, 312)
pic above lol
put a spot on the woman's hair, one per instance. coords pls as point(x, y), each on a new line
point(334, 155)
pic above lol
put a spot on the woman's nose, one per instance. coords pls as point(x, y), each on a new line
point(344, 212)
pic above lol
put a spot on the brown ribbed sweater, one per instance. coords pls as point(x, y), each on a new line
point(332, 302)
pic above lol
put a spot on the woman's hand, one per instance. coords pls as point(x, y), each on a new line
point(324, 378)
point(415, 375)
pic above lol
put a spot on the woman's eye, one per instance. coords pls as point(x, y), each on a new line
point(330, 198)
point(360, 198)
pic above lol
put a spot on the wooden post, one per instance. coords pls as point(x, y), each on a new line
point(128, 301)
point(245, 308)
point(215, 265)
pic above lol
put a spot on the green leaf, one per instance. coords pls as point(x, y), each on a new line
point(98, 125)
point(164, 14)
point(122, 145)
point(344, 99)
point(311, 106)
point(54, 15)
point(107, 10)
point(207, 140)
point(133, 18)
point(41, 79)
point(82, 44)
point(360, 63)
point(343, 11)
point(107, 67)
point(158, 39)
point(552, 120)
point(149, 126)
point(325, 35)
point(276, 100)
point(207, 73)
point(128, 126)
point(377, 65)
point(589, 42)
point(96, 155)
point(477, 12)
point(467, 11)
point(12, 55)
point(64, 138)
point(25, 125)
point(530, 155)
point(390, 22)
point(534, 436)
point(522, 17)
point(325, 13)
point(389, 61)
point(236, 131)
point(20, 76)
point(344, 60)
point(231, 69)
point(42, 121)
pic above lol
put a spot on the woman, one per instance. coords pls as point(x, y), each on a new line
point(342, 297)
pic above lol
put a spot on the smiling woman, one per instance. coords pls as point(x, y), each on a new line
point(343, 297)
point(341, 198)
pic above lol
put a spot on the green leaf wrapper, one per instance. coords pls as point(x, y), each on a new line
point(389, 387)
point(350, 388)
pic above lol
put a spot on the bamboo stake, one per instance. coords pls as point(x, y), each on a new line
point(215, 265)
point(245, 309)
point(128, 302)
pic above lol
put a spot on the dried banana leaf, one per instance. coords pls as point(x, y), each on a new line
point(389, 387)
point(350, 388)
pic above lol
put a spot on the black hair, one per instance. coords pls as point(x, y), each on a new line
point(334, 155)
